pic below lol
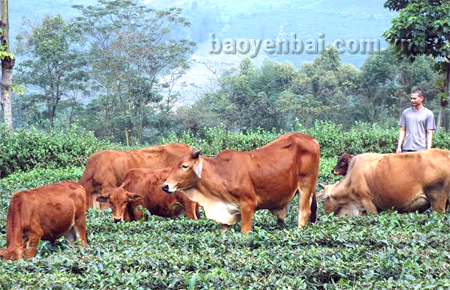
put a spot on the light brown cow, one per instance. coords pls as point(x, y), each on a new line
point(142, 186)
point(106, 169)
point(406, 182)
point(235, 184)
point(341, 167)
point(48, 213)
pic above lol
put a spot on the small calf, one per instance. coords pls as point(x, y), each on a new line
point(48, 213)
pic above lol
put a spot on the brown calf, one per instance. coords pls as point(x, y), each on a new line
point(142, 186)
point(48, 213)
point(105, 170)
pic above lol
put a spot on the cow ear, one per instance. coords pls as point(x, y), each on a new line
point(102, 198)
point(321, 196)
point(176, 205)
point(198, 167)
point(134, 196)
point(321, 185)
point(196, 154)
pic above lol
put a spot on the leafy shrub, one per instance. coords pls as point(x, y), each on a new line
point(24, 150)
point(333, 140)
point(364, 137)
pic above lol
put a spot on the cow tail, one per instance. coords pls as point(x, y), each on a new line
point(87, 179)
point(313, 217)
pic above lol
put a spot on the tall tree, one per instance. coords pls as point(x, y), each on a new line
point(8, 61)
point(132, 53)
point(53, 66)
point(423, 28)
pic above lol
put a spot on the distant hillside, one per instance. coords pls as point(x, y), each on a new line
point(248, 19)
point(344, 19)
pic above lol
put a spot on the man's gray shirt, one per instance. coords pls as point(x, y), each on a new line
point(416, 124)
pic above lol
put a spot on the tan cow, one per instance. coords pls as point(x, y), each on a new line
point(106, 169)
point(142, 186)
point(406, 182)
point(48, 213)
point(234, 184)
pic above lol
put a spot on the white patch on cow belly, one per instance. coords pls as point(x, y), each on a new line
point(216, 209)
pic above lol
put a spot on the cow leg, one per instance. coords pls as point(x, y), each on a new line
point(420, 204)
point(224, 228)
point(32, 243)
point(71, 236)
point(438, 201)
point(306, 187)
point(280, 213)
point(369, 206)
point(247, 211)
point(191, 210)
point(131, 212)
point(80, 227)
point(14, 254)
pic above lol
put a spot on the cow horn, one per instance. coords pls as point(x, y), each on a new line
point(196, 154)
point(321, 196)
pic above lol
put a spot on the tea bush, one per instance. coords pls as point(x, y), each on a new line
point(24, 150)
point(361, 138)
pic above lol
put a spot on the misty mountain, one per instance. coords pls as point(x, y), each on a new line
point(246, 20)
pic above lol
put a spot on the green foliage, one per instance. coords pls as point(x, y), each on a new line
point(135, 60)
point(425, 26)
point(214, 140)
point(4, 54)
point(23, 150)
point(361, 138)
point(38, 177)
point(53, 66)
point(388, 251)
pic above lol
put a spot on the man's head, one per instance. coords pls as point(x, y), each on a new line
point(417, 98)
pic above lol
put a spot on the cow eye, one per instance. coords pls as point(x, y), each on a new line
point(184, 166)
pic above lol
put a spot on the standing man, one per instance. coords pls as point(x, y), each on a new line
point(416, 126)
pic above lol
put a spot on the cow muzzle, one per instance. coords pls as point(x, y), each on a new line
point(117, 220)
point(166, 188)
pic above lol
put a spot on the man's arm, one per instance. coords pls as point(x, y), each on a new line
point(401, 137)
point(429, 138)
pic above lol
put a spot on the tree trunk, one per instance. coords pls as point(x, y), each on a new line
point(444, 100)
point(7, 66)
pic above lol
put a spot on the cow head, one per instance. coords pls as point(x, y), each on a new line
point(338, 202)
point(342, 164)
point(118, 200)
point(185, 174)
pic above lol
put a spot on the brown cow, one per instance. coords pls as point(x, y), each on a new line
point(235, 184)
point(342, 164)
point(142, 186)
point(106, 169)
point(405, 182)
point(48, 213)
